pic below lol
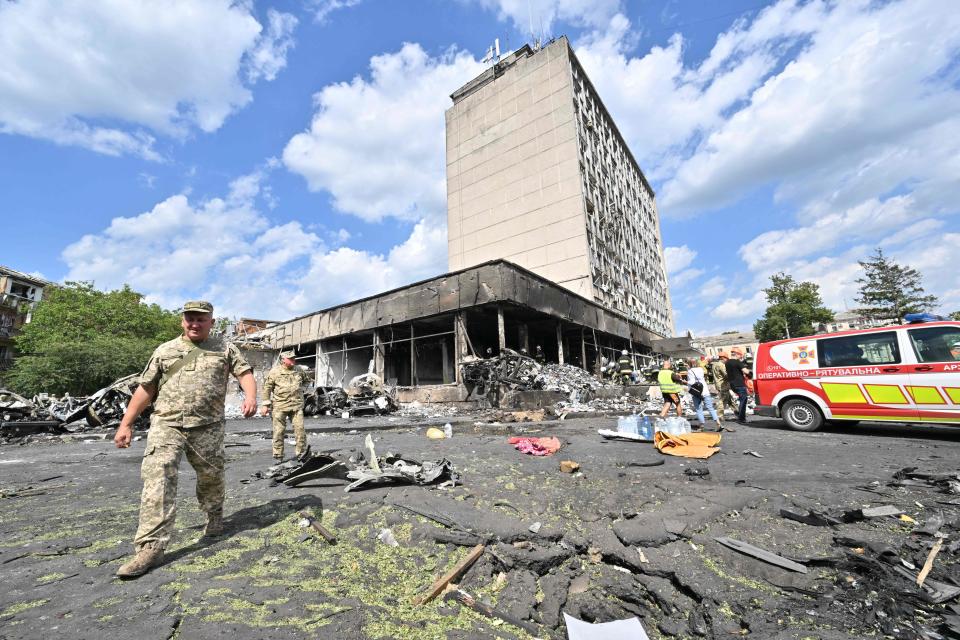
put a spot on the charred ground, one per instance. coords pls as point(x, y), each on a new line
point(617, 540)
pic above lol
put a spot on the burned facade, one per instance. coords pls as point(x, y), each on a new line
point(538, 174)
point(419, 335)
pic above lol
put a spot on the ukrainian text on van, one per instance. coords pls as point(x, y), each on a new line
point(907, 373)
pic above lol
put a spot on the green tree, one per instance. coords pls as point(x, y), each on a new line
point(793, 309)
point(80, 339)
point(955, 315)
point(889, 291)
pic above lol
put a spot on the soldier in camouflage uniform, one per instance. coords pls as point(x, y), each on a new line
point(186, 380)
point(719, 371)
point(283, 396)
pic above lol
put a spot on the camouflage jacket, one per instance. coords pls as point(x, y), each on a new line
point(282, 389)
point(719, 371)
point(195, 395)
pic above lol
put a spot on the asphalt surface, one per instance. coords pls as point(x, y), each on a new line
point(618, 539)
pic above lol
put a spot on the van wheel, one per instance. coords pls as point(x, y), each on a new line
point(801, 415)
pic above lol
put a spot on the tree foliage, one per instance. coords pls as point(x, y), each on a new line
point(796, 306)
point(955, 315)
point(889, 291)
point(80, 339)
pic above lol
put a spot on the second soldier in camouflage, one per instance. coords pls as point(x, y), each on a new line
point(283, 396)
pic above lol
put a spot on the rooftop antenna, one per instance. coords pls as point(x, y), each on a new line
point(533, 36)
point(493, 53)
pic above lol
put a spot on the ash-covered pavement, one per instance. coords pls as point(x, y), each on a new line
point(617, 540)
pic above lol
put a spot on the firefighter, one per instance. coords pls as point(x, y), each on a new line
point(625, 367)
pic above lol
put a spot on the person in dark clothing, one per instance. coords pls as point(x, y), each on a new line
point(736, 371)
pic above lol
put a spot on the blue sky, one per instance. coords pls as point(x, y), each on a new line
point(280, 157)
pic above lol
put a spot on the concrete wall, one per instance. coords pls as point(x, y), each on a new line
point(513, 176)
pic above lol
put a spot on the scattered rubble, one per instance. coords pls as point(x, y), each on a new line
point(373, 470)
point(46, 414)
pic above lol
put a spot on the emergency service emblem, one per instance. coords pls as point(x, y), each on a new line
point(803, 355)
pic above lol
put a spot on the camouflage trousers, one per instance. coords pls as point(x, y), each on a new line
point(280, 426)
point(722, 398)
point(160, 470)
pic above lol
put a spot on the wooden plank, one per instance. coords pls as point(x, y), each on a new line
point(761, 554)
point(929, 563)
point(441, 583)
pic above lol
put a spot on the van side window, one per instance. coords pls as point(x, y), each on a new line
point(855, 351)
point(936, 344)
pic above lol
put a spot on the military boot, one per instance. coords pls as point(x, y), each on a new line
point(147, 558)
point(214, 526)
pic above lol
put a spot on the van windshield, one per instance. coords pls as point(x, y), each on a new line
point(936, 344)
point(859, 350)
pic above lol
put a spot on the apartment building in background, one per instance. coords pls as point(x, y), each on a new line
point(19, 294)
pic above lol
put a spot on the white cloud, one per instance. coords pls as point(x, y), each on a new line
point(323, 8)
point(678, 258)
point(867, 220)
point(536, 16)
point(270, 55)
point(377, 144)
point(70, 67)
point(360, 273)
point(688, 102)
point(226, 250)
point(739, 308)
point(684, 277)
point(712, 288)
point(869, 79)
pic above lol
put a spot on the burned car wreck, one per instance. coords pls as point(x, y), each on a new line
point(20, 416)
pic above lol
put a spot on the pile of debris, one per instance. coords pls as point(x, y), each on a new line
point(484, 376)
point(491, 378)
point(365, 395)
point(897, 586)
point(367, 469)
point(566, 378)
point(46, 414)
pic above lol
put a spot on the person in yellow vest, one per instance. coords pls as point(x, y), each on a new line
point(283, 396)
point(671, 384)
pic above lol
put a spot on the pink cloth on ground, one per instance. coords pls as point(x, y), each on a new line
point(536, 446)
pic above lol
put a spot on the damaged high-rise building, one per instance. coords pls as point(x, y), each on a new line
point(554, 246)
point(538, 174)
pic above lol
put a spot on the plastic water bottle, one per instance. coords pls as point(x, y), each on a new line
point(660, 425)
point(646, 428)
point(448, 430)
point(678, 426)
point(627, 424)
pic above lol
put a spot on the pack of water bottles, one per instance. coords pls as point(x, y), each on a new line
point(674, 426)
point(636, 425)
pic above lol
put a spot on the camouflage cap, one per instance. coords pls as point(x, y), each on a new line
point(287, 354)
point(198, 306)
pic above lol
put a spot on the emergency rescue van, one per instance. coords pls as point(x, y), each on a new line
point(905, 373)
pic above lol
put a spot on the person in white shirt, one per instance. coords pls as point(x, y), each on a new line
point(697, 385)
